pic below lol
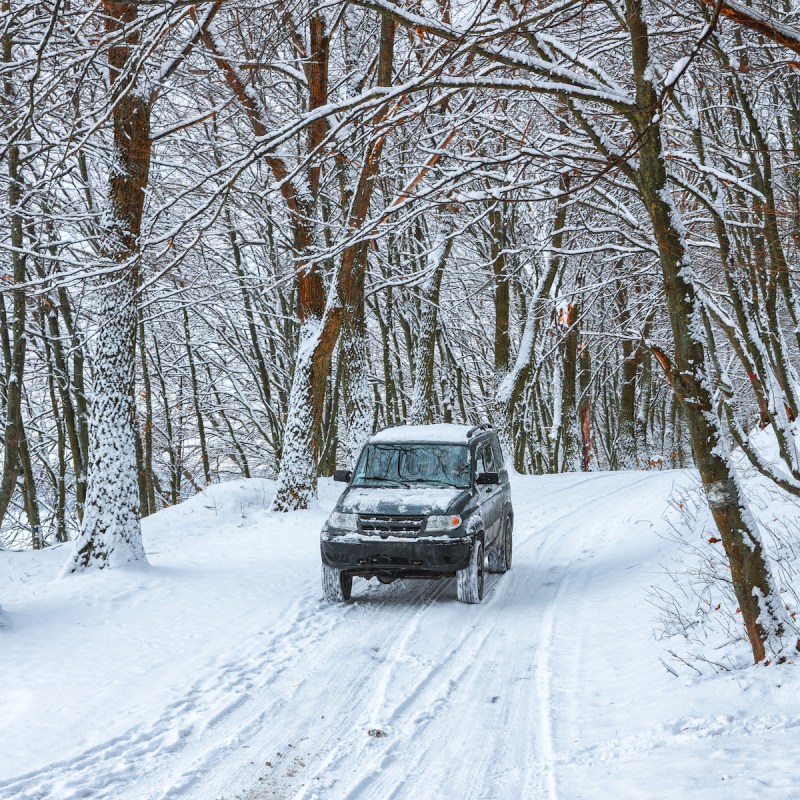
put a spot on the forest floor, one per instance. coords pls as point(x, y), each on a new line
point(219, 673)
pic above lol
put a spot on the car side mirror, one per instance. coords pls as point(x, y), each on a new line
point(343, 475)
point(487, 478)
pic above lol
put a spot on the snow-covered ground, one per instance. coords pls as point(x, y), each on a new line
point(220, 673)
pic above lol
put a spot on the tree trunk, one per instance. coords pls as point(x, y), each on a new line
point(358, 397)
point(569, 434)
point(149, 500)
point(422, 400)
point(585, 408)
point(30, 500)
point(763, 612)
point(322, 320)
point(111, 532)
point(502, 296)
point(626, 450)
point(60, 479)
point(201, 428)
point(174, 470)
point(13, 425)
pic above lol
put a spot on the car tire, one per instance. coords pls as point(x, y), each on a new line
point(469, 581)
point(499, 558)
point(336, 585)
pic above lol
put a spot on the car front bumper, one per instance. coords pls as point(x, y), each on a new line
point(429, 556)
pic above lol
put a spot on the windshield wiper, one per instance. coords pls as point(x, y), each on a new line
point(437, 482)
point(382, 479)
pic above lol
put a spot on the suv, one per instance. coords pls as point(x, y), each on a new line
point(424, 501)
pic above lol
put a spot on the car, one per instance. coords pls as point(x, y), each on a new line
point(423, 501)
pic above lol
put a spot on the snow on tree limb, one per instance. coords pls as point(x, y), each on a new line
point(749, 17)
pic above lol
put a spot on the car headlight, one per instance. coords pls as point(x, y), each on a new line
point(344, 522)
point(442, 523)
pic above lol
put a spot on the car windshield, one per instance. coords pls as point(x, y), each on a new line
point(406, 464)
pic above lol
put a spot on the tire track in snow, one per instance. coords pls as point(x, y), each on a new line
point(515, 712)
point(471, 779)
point(546, 741)
point(531, 740)
point(338, 690)
point(136, 759)
point(439, 697)
point(343, 737)
point(337, 684)
point(434, 690)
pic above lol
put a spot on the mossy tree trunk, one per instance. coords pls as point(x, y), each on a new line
point(763, 613)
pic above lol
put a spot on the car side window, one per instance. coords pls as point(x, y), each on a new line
point(485, 459)
point(497, 451)
point(479, 460)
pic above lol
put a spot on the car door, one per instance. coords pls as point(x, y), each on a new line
point(490, 495)
point(505, 483)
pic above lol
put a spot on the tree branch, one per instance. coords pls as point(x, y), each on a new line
point(760, 23)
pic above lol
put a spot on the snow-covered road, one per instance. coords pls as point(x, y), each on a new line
point(219, 673)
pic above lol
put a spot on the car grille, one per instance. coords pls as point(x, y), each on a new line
point(390, 525)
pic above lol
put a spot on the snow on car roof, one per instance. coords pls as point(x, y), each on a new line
point(442, 433)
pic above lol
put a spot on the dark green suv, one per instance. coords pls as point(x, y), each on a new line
point(424, 501)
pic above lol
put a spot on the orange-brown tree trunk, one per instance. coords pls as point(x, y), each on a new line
point(298, 479)
point(111, 530)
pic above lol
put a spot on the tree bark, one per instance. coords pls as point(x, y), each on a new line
point(763, 613)
point(502, 295)
point(626, 449)
point(111, 532)
point(358, 397)
point(147, 489)
point(201, 427)
point(321, 327)
point(13, 433)
point(422, 400)
point(569, 433)
point(585, 408)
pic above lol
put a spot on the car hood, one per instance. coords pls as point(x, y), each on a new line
point(418, 500)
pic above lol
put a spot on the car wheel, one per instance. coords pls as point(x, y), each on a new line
point(469, 581)
point(336, 584)
point(500, 553)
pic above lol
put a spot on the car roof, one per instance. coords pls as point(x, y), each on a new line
point(440, 433)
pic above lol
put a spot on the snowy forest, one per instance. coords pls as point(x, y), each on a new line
point(238, 238)
point(241, 237)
